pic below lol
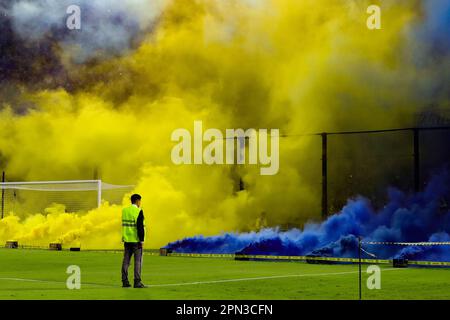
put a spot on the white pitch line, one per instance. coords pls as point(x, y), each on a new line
point(259, 278)
point(50, 281)
point(208, 282)
point(29, 280)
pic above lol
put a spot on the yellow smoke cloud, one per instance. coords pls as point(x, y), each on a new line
point(301, 66)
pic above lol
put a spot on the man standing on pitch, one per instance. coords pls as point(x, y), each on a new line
point(133, 235)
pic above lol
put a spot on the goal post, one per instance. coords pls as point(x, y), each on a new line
point(99, 193)
point(29, 197)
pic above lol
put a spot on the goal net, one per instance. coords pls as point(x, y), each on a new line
point(31, 197)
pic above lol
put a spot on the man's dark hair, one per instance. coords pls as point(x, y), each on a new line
point(135, 197)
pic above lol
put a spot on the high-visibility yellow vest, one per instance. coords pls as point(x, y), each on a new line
point(129, 220)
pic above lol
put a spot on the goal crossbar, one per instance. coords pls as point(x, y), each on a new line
point(440, 243)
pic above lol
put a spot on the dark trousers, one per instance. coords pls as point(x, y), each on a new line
point(129, 250)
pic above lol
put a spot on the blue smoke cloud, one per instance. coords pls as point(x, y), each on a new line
point(419, 217)
point(434, 30)
point(428, 50)
point(107, 27)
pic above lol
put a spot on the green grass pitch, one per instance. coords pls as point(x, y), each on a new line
point(41, 274)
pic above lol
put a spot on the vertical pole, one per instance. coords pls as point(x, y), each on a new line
point(324, 176)
point(359, 266)
point(99, 193)
point(239, 157)
point(416, 160)
point(3, 194)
